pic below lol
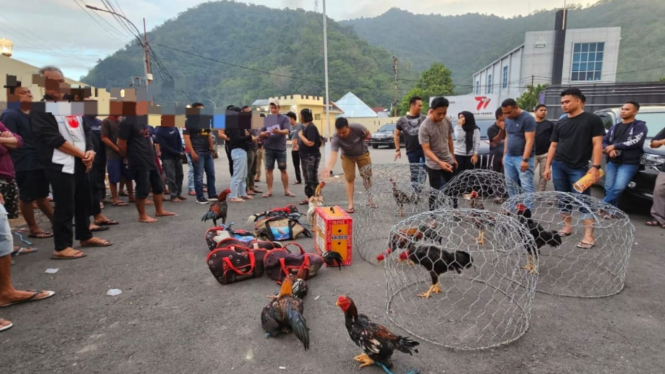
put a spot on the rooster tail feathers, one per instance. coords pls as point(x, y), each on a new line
point(333, 259)
point(407, 345)
point(208, 215)
point(551, 238)
point(298, 325)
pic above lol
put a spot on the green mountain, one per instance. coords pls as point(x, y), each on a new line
point(234, 53)
point(469, 42)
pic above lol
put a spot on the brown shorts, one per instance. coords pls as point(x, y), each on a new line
point(349, 166)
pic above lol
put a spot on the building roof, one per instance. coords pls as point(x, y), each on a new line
point(353, 107)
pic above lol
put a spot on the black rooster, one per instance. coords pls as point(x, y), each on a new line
point(540, 235)
point(377, 342)
point(437, 261)
point(284, 314)
point(218, 209)
point(402, 198)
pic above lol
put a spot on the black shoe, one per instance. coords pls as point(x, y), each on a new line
point(202, 202)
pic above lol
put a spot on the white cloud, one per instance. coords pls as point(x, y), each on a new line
point(59, 32)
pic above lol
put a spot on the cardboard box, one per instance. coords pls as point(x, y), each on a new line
point(334, 232)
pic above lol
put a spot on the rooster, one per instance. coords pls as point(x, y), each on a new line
point(476, 203)
point(285, 313)
point(218, 209)
point(437, 261)
point(377, 342)
point(289, 211)
point(403, 237)
point(402, 198)
point(540, 235)
point(314, 202)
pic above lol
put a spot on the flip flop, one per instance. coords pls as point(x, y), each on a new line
point(350, 211)
point(108, 222)
point(24, 250)
point(99, 228)
point(564, 234)
point(120, 203)
point(41, 235)
point(290, 194)
point(31, 298)
point(6, 327)
point(98, 244)
point(652, 223)
point(304, 202)
point(585, 245)
point(267, 194)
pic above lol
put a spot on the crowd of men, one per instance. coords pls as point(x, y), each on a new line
point(46, 153)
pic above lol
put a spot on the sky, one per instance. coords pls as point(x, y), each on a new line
point(62, 33)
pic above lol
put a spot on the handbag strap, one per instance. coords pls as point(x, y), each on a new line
point(286, 246)
point(252, 261)
point(282, 262)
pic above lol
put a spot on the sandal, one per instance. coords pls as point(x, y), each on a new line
point(304, 202)
point(585, 245)
point(6, 327)
point(31, 298)
point(564, 234)
point(120, 203)
point(23, 250)
point(350, 210)
point(97, 243)
point(246, 197)
point(289, 194)
point(76, 256)
point(267, 194)
point(652, 223)
point(108, 222)
point(99, 228)
point(236, 200)
point(41, 235)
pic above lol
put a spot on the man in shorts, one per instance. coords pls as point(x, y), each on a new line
point(274, 144)
point(351, 140)
point(116, 166)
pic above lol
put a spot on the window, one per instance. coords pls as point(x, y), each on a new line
point(505, 77)
point(587, 61)
point(478, 87)
point(489, 84)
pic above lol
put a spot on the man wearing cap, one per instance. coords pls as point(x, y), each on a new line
point(275, 148)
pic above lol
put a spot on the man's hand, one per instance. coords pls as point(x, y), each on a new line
point(398, 154)
point(455, 164)
point(474, 159)
point(609, 148)
point(524, 166)
point(194, 156)
point(613, 153)
point(89, 157)
point(548, 173)
point(275, 131)
point(6, 134)
point(325, 173)
point(265, 134)
point(446, 166)
point(595, 173)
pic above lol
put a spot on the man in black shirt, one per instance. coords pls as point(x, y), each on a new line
point(544, 129)
point(410, 124)
point(497, 136)
point(576, 139)
point(658, 208)
point(309, 144)
point(30, 176)
point(198, 139)
point(136, 145)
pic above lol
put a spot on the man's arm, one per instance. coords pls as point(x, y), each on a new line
point(331, 164)
point(192, 152)
point(211, 145)
point(122, 147)
point(637, 142)
point(505, 146)
point(606, 138)
point(530, 137)
point(597, 142)
point(548, 163)
point(9, 139)
point(429, 154)
point(106, 140)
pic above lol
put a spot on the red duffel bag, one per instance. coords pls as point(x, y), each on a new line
point(234, 263)
point(280, 261)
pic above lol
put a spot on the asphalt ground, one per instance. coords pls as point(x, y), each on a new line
point(174, 317)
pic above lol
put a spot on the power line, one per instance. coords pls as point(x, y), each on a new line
point(97, 22)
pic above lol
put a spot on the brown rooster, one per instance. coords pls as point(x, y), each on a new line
point(285, 313)
point(218, 209)
point(476, 203)
point(402, 198)
point(314, 202)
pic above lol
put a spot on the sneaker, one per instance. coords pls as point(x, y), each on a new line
point(212, 199)
point(202, 202)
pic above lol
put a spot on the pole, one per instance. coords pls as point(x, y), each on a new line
point(395, 100)
point(146, 48)
point(214, 105)
point(325, 70)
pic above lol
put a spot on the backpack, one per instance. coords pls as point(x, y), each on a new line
point(280, 262)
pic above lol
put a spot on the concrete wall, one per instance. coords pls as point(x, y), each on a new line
point(512, 60)
point(537, 59)
point(611, 36)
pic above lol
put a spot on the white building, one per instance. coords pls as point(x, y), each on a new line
point(561, 56)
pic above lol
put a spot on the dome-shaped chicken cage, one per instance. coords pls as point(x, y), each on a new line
point(570, 265)
point(386, 203)
point(480, 189)
point(446, 288)
point(381, 173)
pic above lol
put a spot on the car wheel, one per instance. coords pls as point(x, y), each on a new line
point(374, 146)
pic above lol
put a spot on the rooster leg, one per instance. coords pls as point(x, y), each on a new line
point(427, 294)
point(364, 360)
point(481, 238)
point(436, 288)
point(529, 265)
point(400, 211)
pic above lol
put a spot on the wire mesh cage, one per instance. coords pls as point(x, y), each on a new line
point(592, 260)
point(386, 203)
point(381, 173)
point(480, 189)
point(446, 288)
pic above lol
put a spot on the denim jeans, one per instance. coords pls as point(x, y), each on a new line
point(239, 178)
point(515, 177)
point(417, 165)
point(190, 174)
point(205, 164)
point(617, 177)
point(563, 178)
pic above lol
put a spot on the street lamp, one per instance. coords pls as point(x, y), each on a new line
point(144, 44)
point(214, 105)
point(325, 64)
point(6, 47)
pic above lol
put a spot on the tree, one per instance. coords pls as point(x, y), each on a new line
point(435, 81)
point(530, 97)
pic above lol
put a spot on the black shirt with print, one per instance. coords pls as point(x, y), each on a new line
point(140, 151)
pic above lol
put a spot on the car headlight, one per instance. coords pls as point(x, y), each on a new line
point(650, 159)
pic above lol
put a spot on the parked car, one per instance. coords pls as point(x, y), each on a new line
point(386, 136)
point(641, 186)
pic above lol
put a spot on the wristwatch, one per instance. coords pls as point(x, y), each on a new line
point(596, 166)
point(525, 160)
point(397, 150)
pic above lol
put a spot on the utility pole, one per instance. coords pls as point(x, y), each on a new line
point(395, 100)
point(325, 72)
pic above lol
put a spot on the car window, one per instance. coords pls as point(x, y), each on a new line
point(607, 118)
point(390, 127)
point(655, 122)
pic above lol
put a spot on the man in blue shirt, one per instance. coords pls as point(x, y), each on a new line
point(519, 153)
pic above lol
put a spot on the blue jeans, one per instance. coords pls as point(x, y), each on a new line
point(417, 165)
point(239, 178)
point(563, 178)
point(515, 177)
point(190, 174)
point(205, 164)
point(617, 178)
